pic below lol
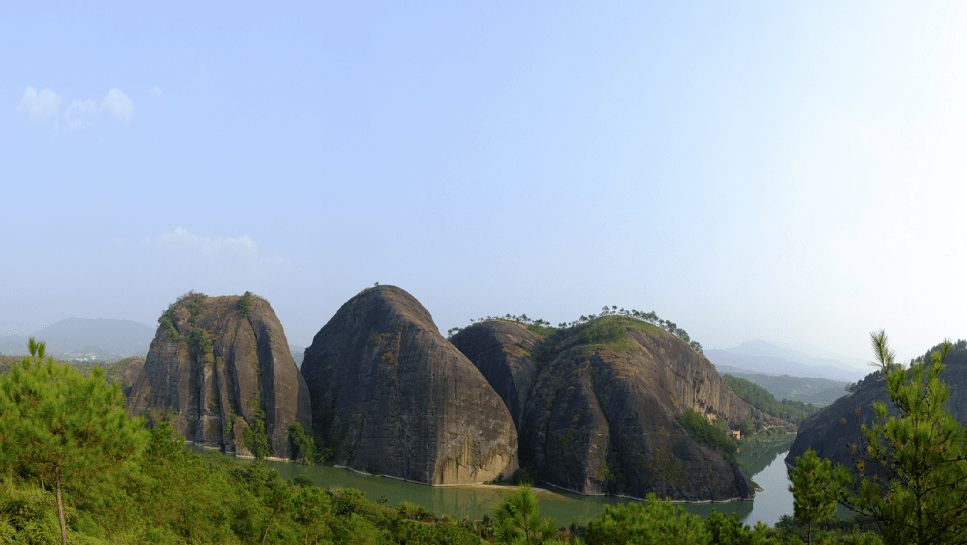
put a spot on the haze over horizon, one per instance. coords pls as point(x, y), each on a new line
point(755, 171)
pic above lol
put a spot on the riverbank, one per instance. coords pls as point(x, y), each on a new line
point(473, 502)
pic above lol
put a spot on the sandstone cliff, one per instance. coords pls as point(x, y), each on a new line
point(224, 376)
point(599, 406)
point(390, 395)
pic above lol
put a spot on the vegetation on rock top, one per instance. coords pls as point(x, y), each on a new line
point(600, 334)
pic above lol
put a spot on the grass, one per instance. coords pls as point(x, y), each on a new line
point(608, 332)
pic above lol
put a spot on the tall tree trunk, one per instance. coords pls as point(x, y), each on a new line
point(267, 526)
point(60, 509)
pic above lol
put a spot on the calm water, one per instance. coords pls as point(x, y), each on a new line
point(474, 503)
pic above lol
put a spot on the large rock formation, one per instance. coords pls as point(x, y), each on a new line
point(390, 395)
point(224, 376)
point(502, 352)
point(598, 407)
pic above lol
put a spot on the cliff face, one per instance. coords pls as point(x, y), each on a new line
point(501, 351)
point(602, 407)
point(220, 374)
point(391, 395)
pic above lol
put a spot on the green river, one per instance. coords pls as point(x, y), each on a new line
point(475, 502)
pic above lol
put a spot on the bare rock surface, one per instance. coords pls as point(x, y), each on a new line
point(391, 396)
point(502, 352)
point(600, 405)
point(216, 391)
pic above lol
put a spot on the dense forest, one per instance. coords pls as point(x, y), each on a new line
point(818, 391)
point(760, 398)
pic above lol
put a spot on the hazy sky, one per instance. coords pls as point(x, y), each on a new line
point(787, 171)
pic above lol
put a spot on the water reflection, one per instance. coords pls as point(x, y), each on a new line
point(474, 503)
point(776, 499)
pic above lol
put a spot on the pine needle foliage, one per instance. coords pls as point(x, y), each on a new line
point(518, 520)
point(62, 427)
point(911, 473)
point(813, 498)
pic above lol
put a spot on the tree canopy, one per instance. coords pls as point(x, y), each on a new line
point(59, 425)
point(911, 475)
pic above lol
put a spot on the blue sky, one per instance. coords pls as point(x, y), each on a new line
point(784, 171)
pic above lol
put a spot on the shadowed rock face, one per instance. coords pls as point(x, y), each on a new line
point(601, 407)
point(502, 352)
point(391, 395)
point(214, 394)
point(827, 434)
point(824, 431)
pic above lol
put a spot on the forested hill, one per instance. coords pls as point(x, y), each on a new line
point(760, 398)
point(819, 391)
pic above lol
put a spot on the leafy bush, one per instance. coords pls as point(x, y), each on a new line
point(255, 437)
point(195, 308)
point(245, 305)
point(707, 433)
point(200, 342)
point(302, 446)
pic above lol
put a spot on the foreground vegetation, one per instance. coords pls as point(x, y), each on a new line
point(75, 468)
point(909, 473)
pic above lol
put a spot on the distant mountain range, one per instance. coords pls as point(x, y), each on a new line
point(759, 356)
point(298, 352)
point(84, 339)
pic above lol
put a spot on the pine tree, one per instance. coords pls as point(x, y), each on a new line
point(61, 426)
point(917, 492)
point(813, 499)
point(519, 521)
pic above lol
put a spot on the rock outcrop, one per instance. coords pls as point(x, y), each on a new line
point(223, 370)
point(391, 396)
point(599, 407)
point(502, 352)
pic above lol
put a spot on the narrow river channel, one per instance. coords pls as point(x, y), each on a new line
point(473, 503)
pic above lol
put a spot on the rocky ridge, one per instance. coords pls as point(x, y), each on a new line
point(598, 407)
point(391, 396)
point(224, 375)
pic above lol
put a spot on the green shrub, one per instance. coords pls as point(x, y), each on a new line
point(302, 447)
point(245, 305)
point(255, 437)
point(707, 433)
point(200, 342)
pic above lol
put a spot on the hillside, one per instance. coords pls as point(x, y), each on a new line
point(762, 399)
point(83, 339)
point(819, 391)
point(600, 406)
